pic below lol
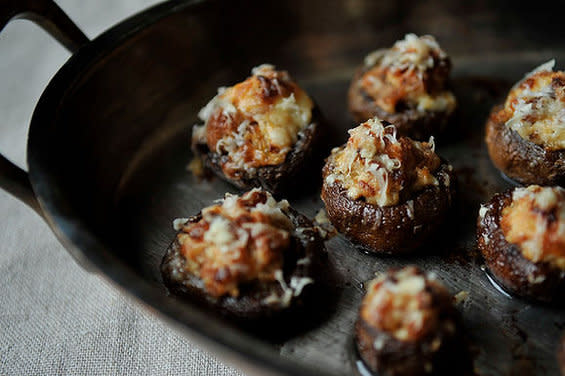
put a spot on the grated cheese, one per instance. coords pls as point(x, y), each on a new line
point(295, 288)
point(396, 304)
point(238, 239)
point(535, 221)
point(413, 52)
point(256, 122)
point(535, 107)
point(366, 164)
point(398, 74)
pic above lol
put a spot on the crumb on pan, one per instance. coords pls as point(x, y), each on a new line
point(323, 225)
point(461, 297)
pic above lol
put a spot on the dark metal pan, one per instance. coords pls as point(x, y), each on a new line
point(108, 148)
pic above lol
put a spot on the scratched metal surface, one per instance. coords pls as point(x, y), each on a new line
point(510, 336)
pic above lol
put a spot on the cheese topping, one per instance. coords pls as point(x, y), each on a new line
point(401, 304)
point(239, 240)
point(408, 75)
point(535, 221)
point(379, 168)
point(535, 107)
point(256, 122)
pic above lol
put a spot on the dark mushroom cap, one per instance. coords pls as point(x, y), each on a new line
point(540, 281)
point(276, 178)
point(410, 122)
point(411, 66)
point(520, 159)
point(390, 229)
point(438, 350)
point(300, 260)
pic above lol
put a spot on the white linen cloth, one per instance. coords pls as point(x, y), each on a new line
point(55, 318)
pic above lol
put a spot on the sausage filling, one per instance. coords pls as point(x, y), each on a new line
point(535, 221)
point(242, 239)
point(409, 75)
point(254, 123)
point(535, 107)
point(401, 303)
point(377, 167)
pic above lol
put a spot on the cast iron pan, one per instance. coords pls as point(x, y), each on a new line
point(109, 144)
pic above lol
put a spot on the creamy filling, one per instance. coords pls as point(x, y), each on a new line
point(535, 107)
point(239, 240)
point(400, 304)
point(377, 167)
point(256, 122)
point(398, 75)
point(535, 221)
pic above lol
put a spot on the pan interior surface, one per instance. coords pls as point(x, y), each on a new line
point(506, 331)
point(124, 129)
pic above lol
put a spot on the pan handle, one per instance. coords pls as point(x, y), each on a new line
point(52, 19)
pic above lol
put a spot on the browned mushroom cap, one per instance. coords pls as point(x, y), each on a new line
point(526, 135)
point(541, 281)
point(277, 178)
point(406, 86)
point(522, 160)
point(386, 194)
point(390, 229)
point(411, 122)
point(260, 132)
point(407, 325)
point(267, 293)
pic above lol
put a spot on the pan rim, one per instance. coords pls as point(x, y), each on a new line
point(238, 348)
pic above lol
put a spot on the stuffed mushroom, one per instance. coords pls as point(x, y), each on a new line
point(407, 325)
point(249, 256)
point(406, 85)
point(386, 193)
point(521, 235)
point(259, 132)
point(526, 135)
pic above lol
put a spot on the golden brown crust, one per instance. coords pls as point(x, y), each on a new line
point(276, 178)
point(253, 303)
point(259, 132)
point(241, 239)
point(410, 122)
point(440, 351)
point(390, 229)
point(522, 160)
point(539, 281)
point(379, 168)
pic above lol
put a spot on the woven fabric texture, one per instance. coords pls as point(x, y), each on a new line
point(55, 318)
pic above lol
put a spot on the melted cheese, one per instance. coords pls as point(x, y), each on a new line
point(399, 304)
point(535, 107)
point(370, 165)
point(413, 53)
point(238, 240)
point(256, 122)
point(295, 288)
point(535, 221)
point(398, 75)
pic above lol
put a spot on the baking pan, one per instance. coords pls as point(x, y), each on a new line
point(109, 145)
